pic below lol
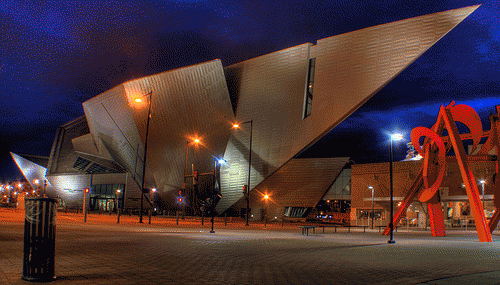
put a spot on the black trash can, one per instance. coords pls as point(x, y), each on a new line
point(39, 239)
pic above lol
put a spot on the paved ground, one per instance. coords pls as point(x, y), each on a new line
point(102, 252)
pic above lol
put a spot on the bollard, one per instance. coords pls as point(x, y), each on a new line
point(265, 221)
point(39, 239)
point(149, 214)
point(225, 220)
point(202, 218)
point(212, 230)
point(118, 216)
point(177, 213)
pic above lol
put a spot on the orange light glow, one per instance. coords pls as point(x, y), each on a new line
point(138, 100)
point(266, 196)
point(236, 126)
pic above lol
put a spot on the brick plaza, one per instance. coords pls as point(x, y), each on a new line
point(102, 252)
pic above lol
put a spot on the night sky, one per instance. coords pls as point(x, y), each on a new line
point(54, 55)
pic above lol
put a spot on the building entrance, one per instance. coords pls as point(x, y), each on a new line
point(102, 204)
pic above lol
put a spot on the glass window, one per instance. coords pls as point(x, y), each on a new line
point(309, 89)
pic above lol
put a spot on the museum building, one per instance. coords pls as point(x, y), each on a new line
point(168, 132)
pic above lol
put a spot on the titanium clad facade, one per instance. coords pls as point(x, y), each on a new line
point(348, 69)
point(62, 157)
point(114, 130)
point(299, 183)
point(352, 67)
point(186, 103)
point(32, 170)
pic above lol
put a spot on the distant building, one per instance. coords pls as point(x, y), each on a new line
point(292, 98)
point(452, 193)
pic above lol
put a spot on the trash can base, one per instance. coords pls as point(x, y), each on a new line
point(39, 279)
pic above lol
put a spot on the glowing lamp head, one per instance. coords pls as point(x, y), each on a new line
point(197, 141)
point(266, 196)
point(138, 100)
point(36, 181)
point(236, 126)
point(396, 137)
point(118, 191)
point(154, 190)
point(482, 181)
point(370, 187)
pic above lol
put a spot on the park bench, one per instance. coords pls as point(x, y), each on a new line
point(305, 229)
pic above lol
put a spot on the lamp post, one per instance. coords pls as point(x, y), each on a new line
point(118, 191)
point(266, 197)
point(395, 137)
point(138, 100)
point(373, 210)
point(482, 194)
point(217, 164)
point(195, 141)
point(247, 198)
point(37, 183)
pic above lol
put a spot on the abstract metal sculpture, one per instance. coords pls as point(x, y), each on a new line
point(434, 149)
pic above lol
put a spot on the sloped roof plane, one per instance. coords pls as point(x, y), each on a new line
point(350, 69)
point(185, 103)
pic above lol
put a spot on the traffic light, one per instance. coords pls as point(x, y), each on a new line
point(195, 178)
point(180, 200)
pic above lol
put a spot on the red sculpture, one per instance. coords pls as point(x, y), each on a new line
point(434, 149)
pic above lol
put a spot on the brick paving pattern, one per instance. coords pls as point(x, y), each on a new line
point(102, 252)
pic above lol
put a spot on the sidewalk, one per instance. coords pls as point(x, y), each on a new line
point(102, 252)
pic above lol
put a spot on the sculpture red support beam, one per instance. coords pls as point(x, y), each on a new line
point(468, 177)
point(434, 150)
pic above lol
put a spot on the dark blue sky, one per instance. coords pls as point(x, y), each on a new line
point(54, 55)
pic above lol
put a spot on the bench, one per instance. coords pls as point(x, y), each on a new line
point(305, 229)
point(341, 226)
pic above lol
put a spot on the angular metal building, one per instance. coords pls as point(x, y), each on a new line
point(284, 102)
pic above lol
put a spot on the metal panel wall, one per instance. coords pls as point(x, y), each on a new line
point(185, 103)
point(299, 183)
point(114, 130)
point(30, 170)
point(63, 157)
point(350, 68)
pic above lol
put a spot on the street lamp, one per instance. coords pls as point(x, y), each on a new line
point(266, 198)
point(37, 183)
point(247, 198)
point(139, 100)
point(482, 185)
point(153, 191)
point(373, 211)
point(395, 137)
point(216, 176)
point(195, 141)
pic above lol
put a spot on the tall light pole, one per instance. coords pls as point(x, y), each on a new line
point(195, 141)
point(395, 137)
point(138, 100)
point(482, 185)
point(247, 194)
point(373, 210)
